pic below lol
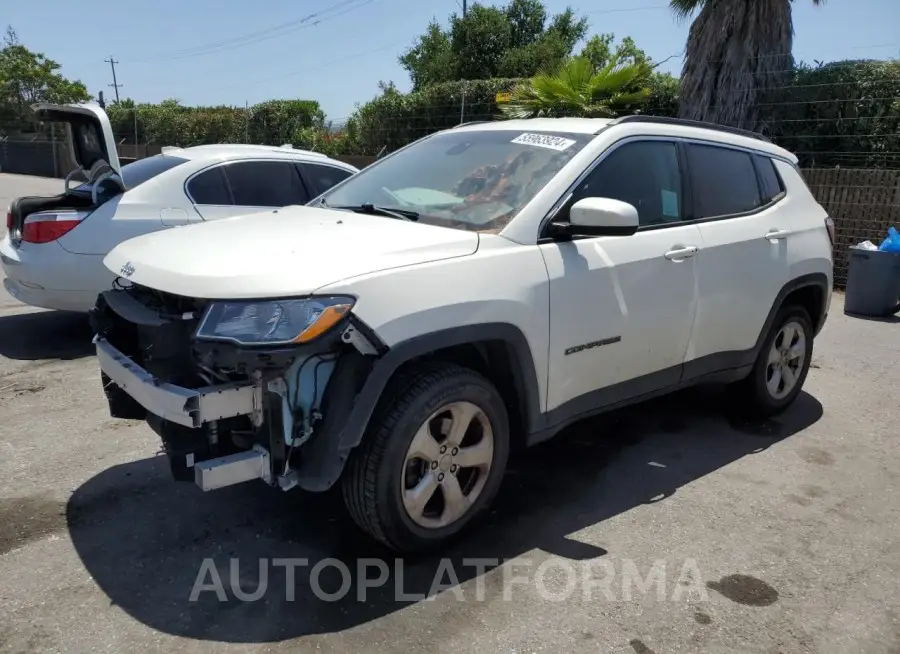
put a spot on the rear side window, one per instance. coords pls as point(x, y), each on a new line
point(768, 179)
point(324, 177)
point(209, 188)
point(265, 184)
point(724, 181)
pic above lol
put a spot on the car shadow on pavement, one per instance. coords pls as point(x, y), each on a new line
point(144, 539)
point(45, 335)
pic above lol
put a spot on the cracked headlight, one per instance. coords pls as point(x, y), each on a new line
point(272, 322)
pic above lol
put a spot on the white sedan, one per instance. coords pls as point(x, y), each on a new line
point(52, 254)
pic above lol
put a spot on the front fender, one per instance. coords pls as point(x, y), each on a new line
point(347, 412)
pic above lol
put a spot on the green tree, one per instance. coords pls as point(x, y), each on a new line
point(600, 51)
point(27, 77)
point(514, 40)
point(431, 60)
point(738, 51)
point(578, 88)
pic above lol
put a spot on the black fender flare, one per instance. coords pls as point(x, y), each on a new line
point(817, 279)
point(347, 413)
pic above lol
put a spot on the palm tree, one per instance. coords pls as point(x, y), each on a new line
point(737, 52)
point(576, 88)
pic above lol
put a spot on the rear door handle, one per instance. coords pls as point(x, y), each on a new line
point(776, 234)
point(679, 253)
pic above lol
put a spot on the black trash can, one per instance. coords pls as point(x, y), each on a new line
point(873, 283)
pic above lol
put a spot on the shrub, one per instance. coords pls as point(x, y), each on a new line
point(394, 119)
point(170, 123)
point(842, 113)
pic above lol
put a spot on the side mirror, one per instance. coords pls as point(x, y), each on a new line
point(599, 217)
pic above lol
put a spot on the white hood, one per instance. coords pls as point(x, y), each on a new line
point(287, 252)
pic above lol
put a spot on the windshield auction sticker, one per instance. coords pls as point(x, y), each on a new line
point(544, 141)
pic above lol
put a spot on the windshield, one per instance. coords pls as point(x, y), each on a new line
point(474, 179)
point(138, 172)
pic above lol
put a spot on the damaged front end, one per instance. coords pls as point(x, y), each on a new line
point(237, 390)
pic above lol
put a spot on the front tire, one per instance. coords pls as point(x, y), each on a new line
point(781, 366)
point(432, 458)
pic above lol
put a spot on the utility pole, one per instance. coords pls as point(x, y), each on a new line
point(112, 63)
point(465, 5)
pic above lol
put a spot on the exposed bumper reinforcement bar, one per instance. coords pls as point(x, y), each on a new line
point(184, 406)
point(233, 469)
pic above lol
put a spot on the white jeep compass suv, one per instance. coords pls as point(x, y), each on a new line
point(480, 288)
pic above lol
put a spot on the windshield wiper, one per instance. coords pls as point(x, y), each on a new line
point(375, 210)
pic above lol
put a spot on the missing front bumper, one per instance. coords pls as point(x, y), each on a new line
point(184, 406)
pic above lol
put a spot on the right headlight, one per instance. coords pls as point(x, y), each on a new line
point(272, 322)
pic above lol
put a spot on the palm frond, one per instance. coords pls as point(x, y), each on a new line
point(576, 88)
point(684, 8)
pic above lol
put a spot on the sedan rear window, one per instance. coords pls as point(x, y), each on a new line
point(142, 170)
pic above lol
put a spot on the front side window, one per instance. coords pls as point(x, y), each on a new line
point(476, 180)
point(645, 174)
point(724, 181)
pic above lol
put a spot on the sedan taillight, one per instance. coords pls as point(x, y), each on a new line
point(47, 226)
point(829, 225)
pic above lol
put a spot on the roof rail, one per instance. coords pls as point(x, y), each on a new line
point(472, 122)
point(665, 120)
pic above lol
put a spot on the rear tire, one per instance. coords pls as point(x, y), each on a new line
point(432, 458)
point(780, 368)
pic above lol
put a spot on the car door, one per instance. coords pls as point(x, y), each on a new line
point(622, 308)
point(321, 177)
point(242, 187)
point(740, 205)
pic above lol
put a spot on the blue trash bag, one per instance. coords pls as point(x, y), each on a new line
point(892, 242)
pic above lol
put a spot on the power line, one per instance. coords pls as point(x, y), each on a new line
point(627, 9)
point(301, 71)
point(252, 38)
point(112, 64)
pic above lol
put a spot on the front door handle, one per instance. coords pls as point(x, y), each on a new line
point(776, 234)
point(681, 252)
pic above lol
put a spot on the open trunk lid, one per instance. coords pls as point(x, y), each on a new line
point(93, 149)
point(90, 139)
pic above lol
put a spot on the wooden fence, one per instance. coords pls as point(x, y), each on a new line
point(863, 204)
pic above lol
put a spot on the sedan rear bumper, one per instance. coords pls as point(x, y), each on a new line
point(183, 406)
point(46, 276)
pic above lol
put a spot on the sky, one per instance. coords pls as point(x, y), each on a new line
point(336, 51)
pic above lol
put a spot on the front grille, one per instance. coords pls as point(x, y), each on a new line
point(167, 304)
